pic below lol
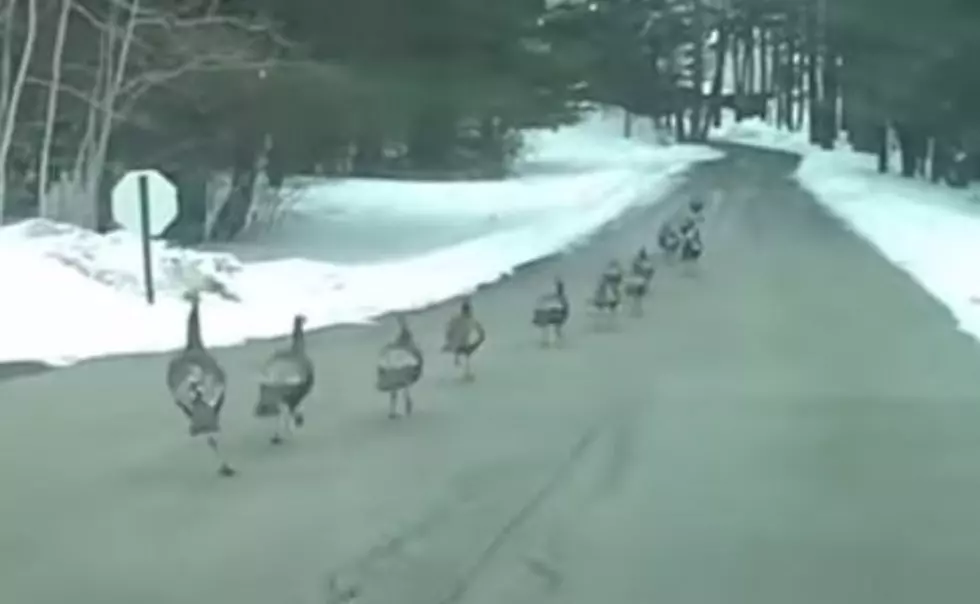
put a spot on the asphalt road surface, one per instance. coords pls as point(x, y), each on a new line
point(796, 423)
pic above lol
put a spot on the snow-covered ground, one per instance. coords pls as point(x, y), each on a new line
point(69, 294)
point(756, 132)
point(930, 231)
point(359, 221)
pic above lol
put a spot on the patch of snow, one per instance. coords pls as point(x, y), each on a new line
point(71, 294)
point(757, 132)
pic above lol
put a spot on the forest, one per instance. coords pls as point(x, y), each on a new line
point(262, 90)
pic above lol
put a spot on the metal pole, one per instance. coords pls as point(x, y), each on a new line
point(144, 188)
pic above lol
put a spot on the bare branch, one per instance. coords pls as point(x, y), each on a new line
point(138, 87)
point(146, 17)
point(91, 18)
point(132, 91)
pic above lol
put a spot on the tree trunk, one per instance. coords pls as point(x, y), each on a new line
point(233, 216)
point(780, 80)
point(909, 149)
point(751, 50)
point(738, 54)
point(830, 120)
point(51, 113)
point(881, 136)
point(697, 104)
point(940, 159)
point(814, 98)
point(86, 142)
point(117, 69)
point(718, 78)
point(6, 61)
point(793, 96)
point(108, 177)
point(827, 75)
point(765, 60)
point(680, 132)
point(275, 167)
point(13, 99)
point(921, 153)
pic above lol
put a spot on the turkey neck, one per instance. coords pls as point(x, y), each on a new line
point(194, 327)
point(299, 338)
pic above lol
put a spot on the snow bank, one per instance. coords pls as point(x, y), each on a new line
point(756, 132)
point(70, 294)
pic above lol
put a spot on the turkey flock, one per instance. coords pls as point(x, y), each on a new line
point(198, 383)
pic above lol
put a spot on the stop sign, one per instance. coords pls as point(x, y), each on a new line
point(162, 198)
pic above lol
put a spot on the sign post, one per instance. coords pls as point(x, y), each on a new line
point(145, 202)
point(144, 189)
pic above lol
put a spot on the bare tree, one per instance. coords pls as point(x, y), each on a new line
point(12, 95)
point(698, 35)
point(52, 106)
point(6, 61)
point(140, 50)
point(115, 43)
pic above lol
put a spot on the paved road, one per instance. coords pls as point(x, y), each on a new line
point(796, 424)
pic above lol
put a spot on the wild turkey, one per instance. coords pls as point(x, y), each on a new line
point(614, 274)
point(697, 209)
point(643, 264)
point(198, 385)
point(637, 283)
point(399, 367)
point(551, 313)
point(691, 248)
point(669, 239)
point(608, 297)
point(687, 224)
point(464, 335)
point(286, 380)
point(691, 244)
